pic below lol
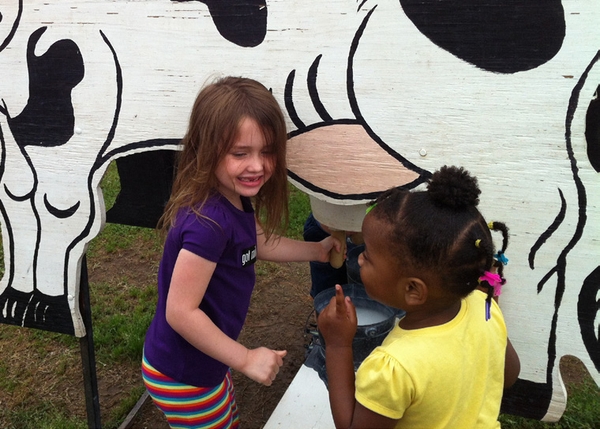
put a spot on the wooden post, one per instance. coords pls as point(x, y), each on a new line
point(88, 358)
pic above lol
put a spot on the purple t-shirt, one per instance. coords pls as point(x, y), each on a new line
point(230, 241)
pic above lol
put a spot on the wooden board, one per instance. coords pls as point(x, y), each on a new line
point(376, 94)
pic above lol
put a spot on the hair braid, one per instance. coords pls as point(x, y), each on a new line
point(500, 258)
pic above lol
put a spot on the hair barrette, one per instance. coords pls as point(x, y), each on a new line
point(371, 207)
point(501, 257)
point(495, 283)
point(488, 308)
point(494, 280)
point(478, 242)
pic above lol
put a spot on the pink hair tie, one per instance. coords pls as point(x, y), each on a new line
point(494, 280)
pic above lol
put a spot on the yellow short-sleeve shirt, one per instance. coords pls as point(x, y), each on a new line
point(447, 376)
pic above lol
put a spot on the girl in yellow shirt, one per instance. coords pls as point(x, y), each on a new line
point(447, 362)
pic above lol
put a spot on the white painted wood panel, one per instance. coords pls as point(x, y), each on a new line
point(371, 93)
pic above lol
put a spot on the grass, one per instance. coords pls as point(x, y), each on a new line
point(43, 416)
point(299, 207)
point(120, 324)
point(31, 347)
point(121, 314)
point(582, 412)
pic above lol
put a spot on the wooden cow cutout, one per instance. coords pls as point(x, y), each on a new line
point(377, 94)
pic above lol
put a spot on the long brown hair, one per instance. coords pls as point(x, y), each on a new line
point(214, 123)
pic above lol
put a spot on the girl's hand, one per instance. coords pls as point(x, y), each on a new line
point(327, 244)
point(262, 364)
point(337, 322)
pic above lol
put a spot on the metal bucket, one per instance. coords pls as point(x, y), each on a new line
point(375, 320)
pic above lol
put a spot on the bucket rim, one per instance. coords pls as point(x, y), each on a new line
point(357, 293)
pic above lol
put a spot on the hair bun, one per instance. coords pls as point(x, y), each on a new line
point(453, 187)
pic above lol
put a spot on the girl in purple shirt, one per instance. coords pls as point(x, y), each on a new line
point(228, 203)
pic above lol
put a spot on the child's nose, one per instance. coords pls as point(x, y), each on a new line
point(256, 163)
point(360, 259)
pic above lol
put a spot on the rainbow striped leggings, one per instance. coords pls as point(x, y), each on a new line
point(192, 407)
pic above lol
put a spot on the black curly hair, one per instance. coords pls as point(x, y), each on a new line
point(441, 230)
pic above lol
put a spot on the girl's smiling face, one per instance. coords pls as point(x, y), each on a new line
point(379, 270)
point(247, 166)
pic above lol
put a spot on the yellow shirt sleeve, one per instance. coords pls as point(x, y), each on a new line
point(381, 376)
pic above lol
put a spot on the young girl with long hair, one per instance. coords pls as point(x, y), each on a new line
point(447, 361)
point(227, 207)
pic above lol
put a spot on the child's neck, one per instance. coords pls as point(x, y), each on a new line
point(426, 316)
point(235, 200)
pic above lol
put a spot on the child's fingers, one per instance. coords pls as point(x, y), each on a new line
point(280, 355)
point(343, 305)
point(340, 300)
point(339, 296)
point(350, 310)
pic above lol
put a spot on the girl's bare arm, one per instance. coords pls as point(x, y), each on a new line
point(188, 285)
point(512, 365)
point(337, 323)
point(283, 249)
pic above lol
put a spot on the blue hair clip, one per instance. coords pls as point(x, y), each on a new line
point(501, 257)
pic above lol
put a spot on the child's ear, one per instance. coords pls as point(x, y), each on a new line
point(416, 291)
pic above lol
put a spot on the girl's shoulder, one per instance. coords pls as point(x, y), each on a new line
point(216, 210)
point(213, 206)
point(219, 204)
point(207, 223)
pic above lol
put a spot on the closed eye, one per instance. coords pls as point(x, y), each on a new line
point(365, 255)
point(61, 213)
